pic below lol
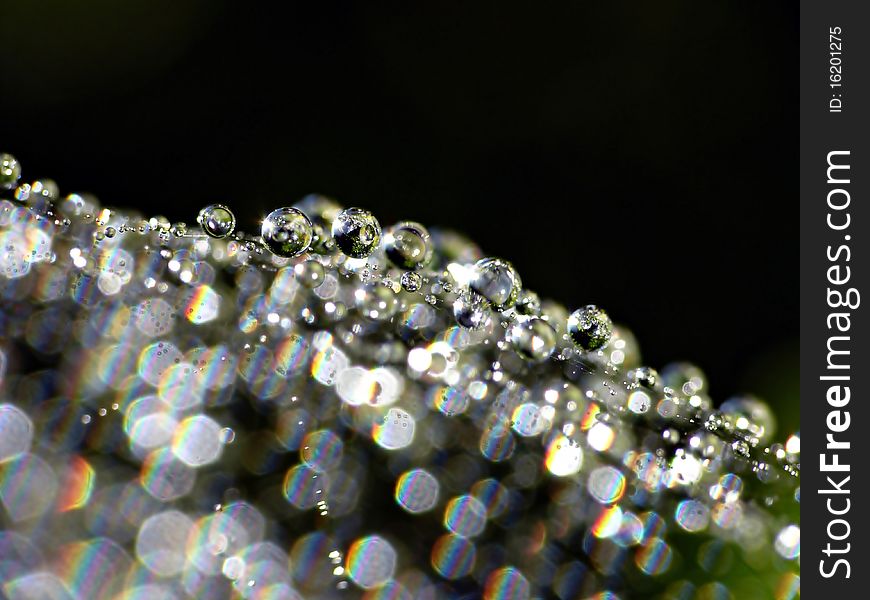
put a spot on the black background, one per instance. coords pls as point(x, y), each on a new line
point(643, 158)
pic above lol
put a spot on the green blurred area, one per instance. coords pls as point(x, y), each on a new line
point(773, 376)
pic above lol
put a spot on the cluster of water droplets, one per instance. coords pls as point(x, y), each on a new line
point(329, 409)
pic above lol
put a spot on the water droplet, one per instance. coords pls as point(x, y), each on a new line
point(320, 210)
point(287, 232)
point(216, 220)
point(10, 171)
point(750, 415)
point(411, 281)
point(376, 302)
point(788, 542)
point(534, 339)
point(227, 435)
point(497, 281)
point(471, 310)
point(590, 327)
point(529, 304)
point(309, 273)
point(684, 377)
point(643, 377)
point(44, 188)
point(356, 232)
point(407, 245)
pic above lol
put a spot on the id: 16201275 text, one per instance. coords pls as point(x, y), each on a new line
point(835, 69)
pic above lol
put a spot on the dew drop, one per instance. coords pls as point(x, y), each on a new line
point(287, 232)
point(356, 232)
point(216, 220)
point(407, 245)
point(497, 281)
point(411, 281)
point(10, 171)
point(471, 310)
point(534, 339)
point(590, 327)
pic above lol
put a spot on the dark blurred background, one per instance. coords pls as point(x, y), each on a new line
point(639, 157)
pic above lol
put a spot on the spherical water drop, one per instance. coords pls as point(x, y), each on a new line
point(45, 189)
point(788, 542)
point(471, 310)
point(10, 171)
point(321, 211)
point(684, 377)
point(407, 245)
point(217, 221)
point(309, 273)
point(534, 339)
point(411, 281)
point(287, 232)
point(750, 415)
point(227, 435)
point(590, 327)
point(356, 232)
point(646, 377)
point(497, 281)
point(319, 208)
point(529, 304)
point(377, 303)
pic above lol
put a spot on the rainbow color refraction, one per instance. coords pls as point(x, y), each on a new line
point(329, 409)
